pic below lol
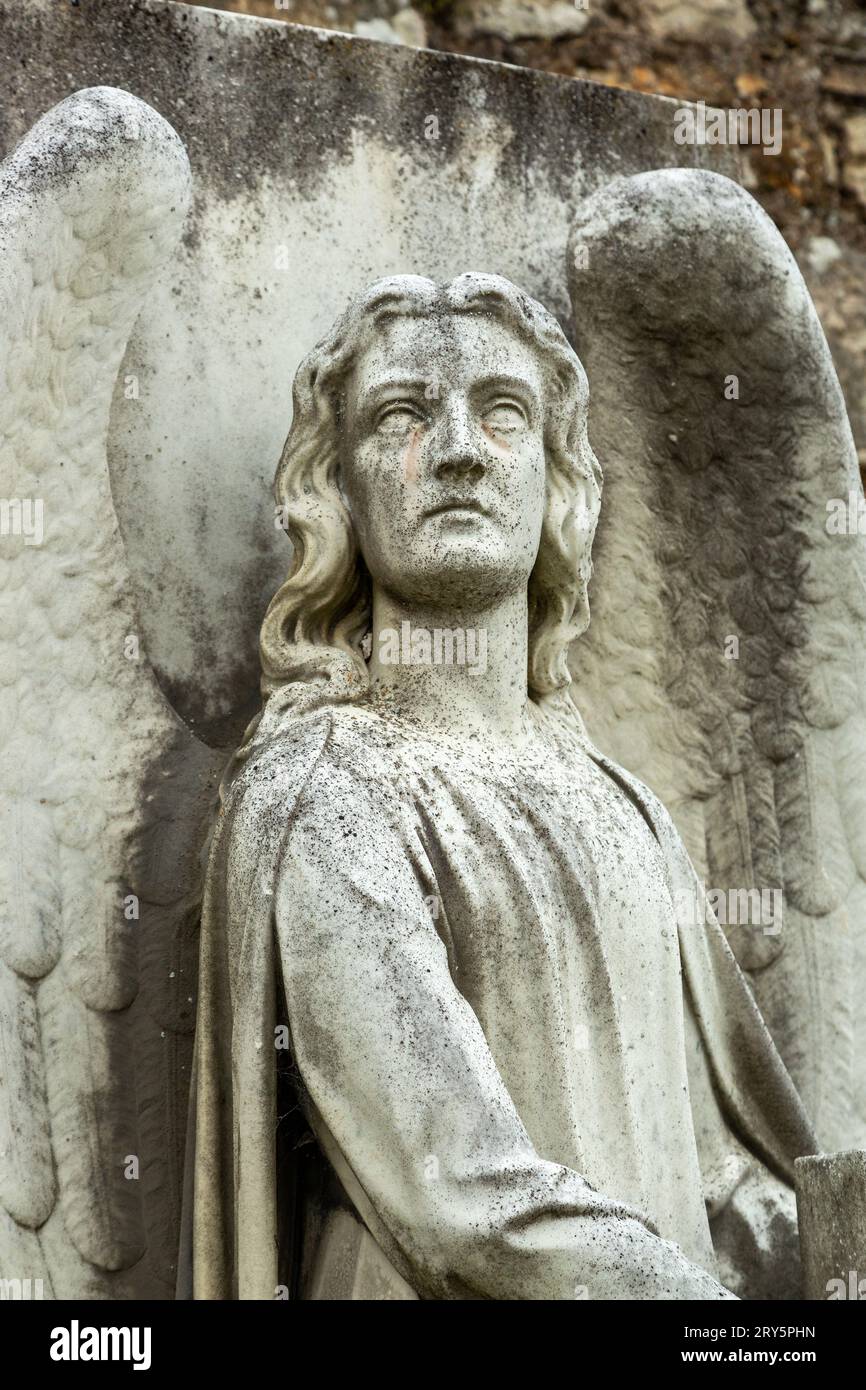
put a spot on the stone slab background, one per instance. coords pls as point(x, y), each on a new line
point(806, 57)
point(320, 162)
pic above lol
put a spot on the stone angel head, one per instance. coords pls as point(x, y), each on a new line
point(438, 451)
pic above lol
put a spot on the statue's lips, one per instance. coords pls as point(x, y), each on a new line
point(457, 507)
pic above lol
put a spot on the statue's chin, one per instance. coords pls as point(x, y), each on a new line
point(458, 582)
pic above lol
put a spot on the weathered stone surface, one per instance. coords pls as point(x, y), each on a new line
point(86, 189)
point(831, 1209)
point(503, 1017)
point(320, 161)
point(855, 180)
point(855, 136)
point(823, 252)
point(803, 62)
point(846, 80)
point(95, 1040)
point(682, 273)
point(854, 171)
point(406, 26)
point(680, 19)
point(837, 289)
point(525, 19)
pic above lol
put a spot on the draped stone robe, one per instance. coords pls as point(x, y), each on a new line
point(528, 1079)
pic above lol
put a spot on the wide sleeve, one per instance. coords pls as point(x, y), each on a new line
point(751, 1210)
point(750, 1125)
point(401, 1084)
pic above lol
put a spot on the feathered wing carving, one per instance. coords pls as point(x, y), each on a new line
point(104, 792)
point(721, 427)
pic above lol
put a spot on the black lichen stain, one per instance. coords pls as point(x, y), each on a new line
point(253, 99)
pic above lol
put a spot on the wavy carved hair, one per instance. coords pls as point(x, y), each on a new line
point(312, 632)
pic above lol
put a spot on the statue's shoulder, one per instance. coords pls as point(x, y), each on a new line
point(309, 750)
point(300, 784)
point(292, 748)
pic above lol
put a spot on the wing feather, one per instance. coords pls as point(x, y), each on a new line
point(93, 1130)
point(27, 1186)
point(94, 1037)
point(719, 421)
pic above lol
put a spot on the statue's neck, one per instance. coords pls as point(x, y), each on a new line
point(460, 671)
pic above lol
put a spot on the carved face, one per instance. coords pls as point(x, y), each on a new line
point(444, 463)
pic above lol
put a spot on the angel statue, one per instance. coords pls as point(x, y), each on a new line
point(473, 1014)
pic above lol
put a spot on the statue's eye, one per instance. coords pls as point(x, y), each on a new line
point(398, 418)
point(504, 415)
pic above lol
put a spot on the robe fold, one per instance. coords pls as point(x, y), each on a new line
point(528, 1078)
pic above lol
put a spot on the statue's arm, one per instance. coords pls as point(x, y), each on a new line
point(398, 1071)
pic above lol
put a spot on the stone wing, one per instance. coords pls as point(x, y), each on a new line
point(104, 793)
point(724, 663)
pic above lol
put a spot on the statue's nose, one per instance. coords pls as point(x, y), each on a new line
point(457, 449)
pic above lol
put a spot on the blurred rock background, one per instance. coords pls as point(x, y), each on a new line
point(807, 57)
